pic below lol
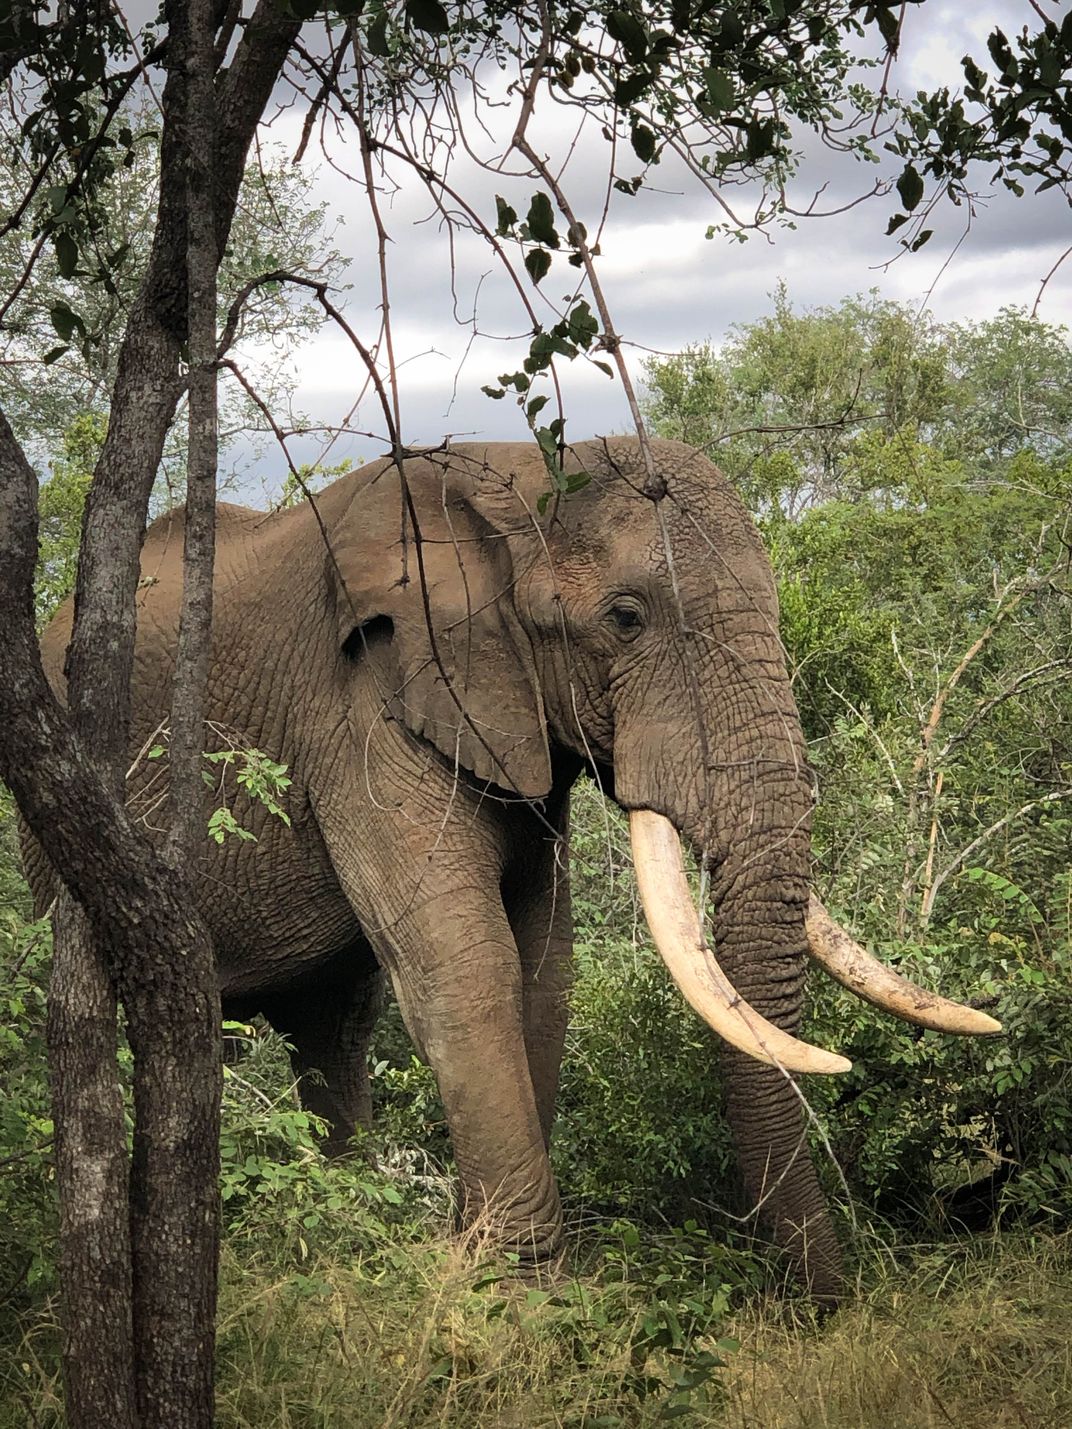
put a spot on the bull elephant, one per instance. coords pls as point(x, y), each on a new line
point(437, 653)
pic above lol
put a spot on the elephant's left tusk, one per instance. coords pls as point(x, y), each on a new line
point(675, 927)
point(855, 968)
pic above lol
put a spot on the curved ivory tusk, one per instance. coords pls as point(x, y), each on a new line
point(851, 965)
point(675, 927)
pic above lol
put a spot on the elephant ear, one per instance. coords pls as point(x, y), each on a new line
point(423, 591)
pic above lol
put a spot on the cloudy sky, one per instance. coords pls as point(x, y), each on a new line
point(666, 283)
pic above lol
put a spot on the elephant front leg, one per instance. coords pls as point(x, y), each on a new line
point(461, 995)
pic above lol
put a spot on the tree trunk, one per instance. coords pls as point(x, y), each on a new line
point(175, 1031)
point(138, 934)
point(92, 1172)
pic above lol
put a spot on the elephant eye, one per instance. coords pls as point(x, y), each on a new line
point(628, 620)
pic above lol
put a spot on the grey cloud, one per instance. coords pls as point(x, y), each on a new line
point(666, 286)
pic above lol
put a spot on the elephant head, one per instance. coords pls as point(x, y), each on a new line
point(634, 625)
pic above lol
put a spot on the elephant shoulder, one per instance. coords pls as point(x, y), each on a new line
point(160, 585)
point(161, 552)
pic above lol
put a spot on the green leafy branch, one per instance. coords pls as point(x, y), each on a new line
point(263, 780)
point(576, 334)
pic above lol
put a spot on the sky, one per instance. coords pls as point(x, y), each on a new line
point(666, 283)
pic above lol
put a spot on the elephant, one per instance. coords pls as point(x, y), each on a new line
point(436, 647)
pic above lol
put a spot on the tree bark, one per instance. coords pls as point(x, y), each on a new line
point(186, 743)
point(176, 1038)
point(92, 1168)
point(138, 935)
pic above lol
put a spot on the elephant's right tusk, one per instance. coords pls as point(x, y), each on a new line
point(675, 927)
point(854, 967)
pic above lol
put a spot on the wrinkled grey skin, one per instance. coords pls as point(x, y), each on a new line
point(558, 642)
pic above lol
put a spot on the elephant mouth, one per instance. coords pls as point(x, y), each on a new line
point(677, 930)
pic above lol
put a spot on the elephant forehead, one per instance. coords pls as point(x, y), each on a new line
point(598, 537)
point(623, 535)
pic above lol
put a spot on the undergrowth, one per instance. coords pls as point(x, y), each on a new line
point(412, 1333)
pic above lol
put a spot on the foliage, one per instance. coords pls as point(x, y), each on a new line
point(274, 1180)
point(1014, 115)
point(26, 1210)
point(60, 507)
point(925, 600)
point(263, 780)
point(72, 320)
point(867, 400)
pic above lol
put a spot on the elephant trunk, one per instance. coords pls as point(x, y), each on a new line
point(760, 940)
point(755, 1008)
point(750, 821)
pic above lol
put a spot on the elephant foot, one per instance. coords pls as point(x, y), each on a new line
point(516, 1286)
point(549, 1273)
point(531, 1264)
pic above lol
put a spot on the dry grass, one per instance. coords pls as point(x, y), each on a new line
point(975, 1334)
point(979, 1337)
point(970, 1336)
point(425, 1343)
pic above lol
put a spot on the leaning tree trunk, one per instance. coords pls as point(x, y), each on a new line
point(161, 959)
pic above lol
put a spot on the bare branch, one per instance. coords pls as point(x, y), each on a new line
point(977, 843)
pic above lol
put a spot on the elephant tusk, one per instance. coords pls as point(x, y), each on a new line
point(851, 965)
point(675, 927)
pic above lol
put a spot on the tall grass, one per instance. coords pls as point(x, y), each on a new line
point(975, 1335)
point(421, 1334)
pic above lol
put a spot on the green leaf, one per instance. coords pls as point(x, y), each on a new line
point(581, 324)
point(547, 440)
point(66, 254)
point(537, 261)
point(759, 139)
point(910, 187)
point(64, 321)
point(505, 216)
point(720, 91)
point(629, 32)
point(54, 354)
point(643, 141)
point(630, 88)
point(676, 1411)
point(577, 235)
point(376, 36)
point(428, 15)
point(541, 220)
point(888, 23)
